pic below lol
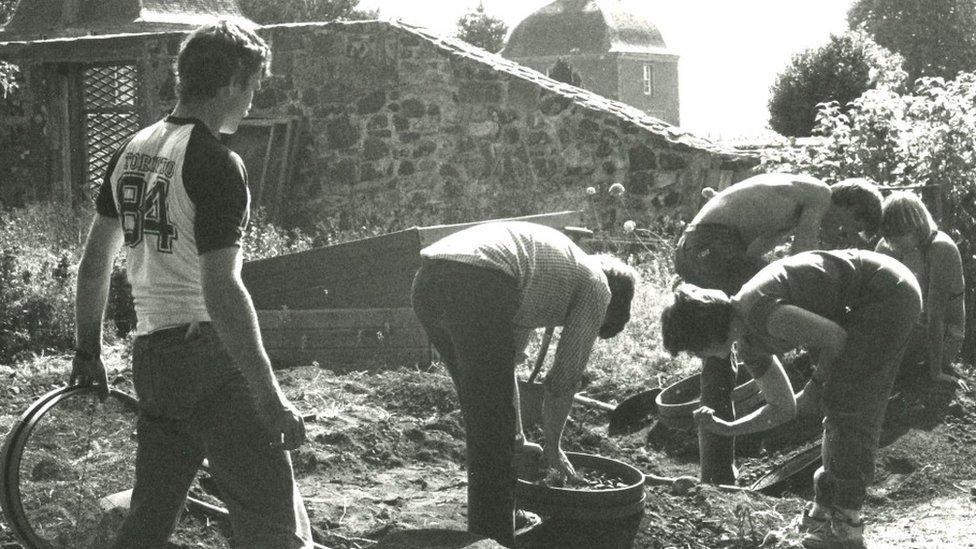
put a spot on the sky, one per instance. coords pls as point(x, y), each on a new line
point(730, 50)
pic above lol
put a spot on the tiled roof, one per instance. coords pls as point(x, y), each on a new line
point(579, 96)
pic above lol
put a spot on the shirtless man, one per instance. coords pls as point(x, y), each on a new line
point(724, 245)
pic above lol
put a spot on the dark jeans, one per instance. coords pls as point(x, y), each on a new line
point(194, 403)
point(467, 313)
point(856, 392)
point(714, 256)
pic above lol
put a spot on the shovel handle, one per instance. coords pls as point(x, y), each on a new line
point(593, 402)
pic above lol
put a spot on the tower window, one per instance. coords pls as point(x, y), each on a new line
point(648, 80)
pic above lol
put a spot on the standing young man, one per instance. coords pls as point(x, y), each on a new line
point(723, 247)
point(178, 200)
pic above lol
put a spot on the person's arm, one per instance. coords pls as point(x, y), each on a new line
point(802, 328)
point(91, 295)
point(235, 321)
point(814, 201)
point(576, 340)
point(780, 405)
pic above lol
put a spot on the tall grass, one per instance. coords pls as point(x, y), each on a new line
point(39, 251)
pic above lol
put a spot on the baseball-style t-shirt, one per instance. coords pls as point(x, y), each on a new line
point(178, 193)
point(559, 285)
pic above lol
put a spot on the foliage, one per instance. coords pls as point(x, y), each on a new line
point(264, 239)
point(268, 12)
point(38, 256)
point(936, 37)
point(841, 70)
point(478, 28)
point(925, 138)
point(562, 71)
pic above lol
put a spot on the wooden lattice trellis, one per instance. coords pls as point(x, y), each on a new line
point(109, 110)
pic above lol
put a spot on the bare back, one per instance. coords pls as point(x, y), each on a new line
point(767, 206)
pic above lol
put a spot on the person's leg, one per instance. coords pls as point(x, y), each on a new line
point(167, 460)
point(717, 452)
point(256, 481)
point(855, 397)
point(467, 312)
point(168, 456)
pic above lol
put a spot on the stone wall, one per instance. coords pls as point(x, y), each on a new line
point(404, 128)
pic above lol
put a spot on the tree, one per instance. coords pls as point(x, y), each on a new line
point(478, 28)
point(936, 37)
point(268, 12)
point(563, 72)
point(841, 70)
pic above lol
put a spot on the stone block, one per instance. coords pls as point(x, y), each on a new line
point(375, 148)
point(480, 92)
point(342, 172)
point(641, 158)
point(378, 122)
point(413, 108)
point(670, 161)
point(406, 168)
point(552, 104)
point(342, 134)
point(425, 148)
point(372, 103)
point(482, 129)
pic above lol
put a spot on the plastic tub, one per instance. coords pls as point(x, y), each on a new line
point(676, 402)
point(553, 502)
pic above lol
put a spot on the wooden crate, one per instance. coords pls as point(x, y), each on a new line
point(347, 306)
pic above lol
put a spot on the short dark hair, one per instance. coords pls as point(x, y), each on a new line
point(863, 197)
point(622, 279)
point(216, 55)
point(695, 320)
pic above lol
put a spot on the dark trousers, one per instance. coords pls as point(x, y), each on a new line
point(195, 404)
point(856, 391)
point(467, 313)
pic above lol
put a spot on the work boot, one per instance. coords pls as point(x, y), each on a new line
point(840, 533)
point(810, 523)
point(525, 521)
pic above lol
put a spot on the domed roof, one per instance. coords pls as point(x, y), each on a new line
point(584, 26)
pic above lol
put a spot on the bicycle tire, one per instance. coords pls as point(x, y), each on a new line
point(12, 453)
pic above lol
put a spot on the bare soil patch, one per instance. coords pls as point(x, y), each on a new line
point(385, 454)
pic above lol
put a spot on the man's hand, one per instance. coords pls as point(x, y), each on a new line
point(559, 464)
point(88, 370)
point(286, 426)
point(706, 420)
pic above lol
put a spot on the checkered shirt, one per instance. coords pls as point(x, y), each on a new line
point(560, 285)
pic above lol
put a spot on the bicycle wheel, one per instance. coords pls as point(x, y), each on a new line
point(65, 454)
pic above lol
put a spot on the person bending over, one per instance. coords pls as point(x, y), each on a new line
point(476, 294)
point(911, 236)
point(725, 244)
point(855, 310)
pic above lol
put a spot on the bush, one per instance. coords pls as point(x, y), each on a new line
point(39, 251)
point(924, 138)
point(843, 69)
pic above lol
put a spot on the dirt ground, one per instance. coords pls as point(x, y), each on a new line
point(385, 454)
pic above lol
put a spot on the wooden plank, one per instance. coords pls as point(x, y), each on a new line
point(351, 270)
point(557, 220)
point(383, 290)
point(402, 317)
point(343, 338)
point(349, 360)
